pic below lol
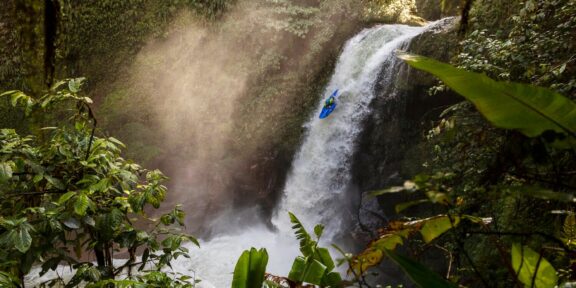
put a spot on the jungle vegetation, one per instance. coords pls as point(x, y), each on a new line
point(499, 165)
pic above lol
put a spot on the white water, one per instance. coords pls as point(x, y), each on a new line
point(316, 187)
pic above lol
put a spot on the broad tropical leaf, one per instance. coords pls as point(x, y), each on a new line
point(250, 269)
point(21, 237)
point(418, 273)
point(297, 271)
point(81, 204)
point(403, 206)
point(526, 262)
point(323, 255)
point(436, 226)
point(307, 270)
point(365, 260)
point(332, 279)
point(529, 109)
point(430, 228)
point(374, 254)
point(314, 272)
point(65, 197)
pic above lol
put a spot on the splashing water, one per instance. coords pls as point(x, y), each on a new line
point(315, 190)
point(320, 174)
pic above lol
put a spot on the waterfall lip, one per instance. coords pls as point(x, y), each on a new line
point(354, 76)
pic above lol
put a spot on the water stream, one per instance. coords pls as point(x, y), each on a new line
point(319, 179)
point(315, 190)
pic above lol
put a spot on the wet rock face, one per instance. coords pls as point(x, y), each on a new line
point(397, 124)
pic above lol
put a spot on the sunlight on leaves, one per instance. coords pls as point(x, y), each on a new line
point(527, 262)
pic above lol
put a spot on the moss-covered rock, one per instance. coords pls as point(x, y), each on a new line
point(411, 12)
point(437, 9)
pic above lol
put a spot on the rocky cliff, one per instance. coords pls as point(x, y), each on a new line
point(388, 147)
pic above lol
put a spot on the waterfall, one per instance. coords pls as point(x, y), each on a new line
point(320, 175)
point(315, 190)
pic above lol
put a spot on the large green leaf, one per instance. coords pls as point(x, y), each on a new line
point(81, 204)
point(332, 279)
point(250, 269)
point(314, 272)
point(436, 226)
point(20, 237)
point(525, 261)
point(418, 273)
point(323, 255)
point(296, 273)
point(529, 109)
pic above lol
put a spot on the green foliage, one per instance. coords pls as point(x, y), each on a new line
point(531, 110)
point(8, 280)
point(569, 230)
point(250, 269)
point(292, 18)
point(150, 279)
point(398, 232)
point(534, 45)
point(533, 270)
point(66, 192)
point(420, 274)
point(315, 265)
point(391, 11)
point(476, 169)
point(98, 37)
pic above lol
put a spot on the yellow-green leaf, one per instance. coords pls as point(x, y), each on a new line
point(436, 226)
point(526, 262)
point(81, 204)
point(569, 231)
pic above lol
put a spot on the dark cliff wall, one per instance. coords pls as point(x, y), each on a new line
point(389, 147)
point(397, 125)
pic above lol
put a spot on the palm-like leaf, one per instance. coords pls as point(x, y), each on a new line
point(306, 243)
point(531, 110)
point(250, 269)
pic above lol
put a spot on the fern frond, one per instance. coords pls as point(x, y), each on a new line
point(306, 243)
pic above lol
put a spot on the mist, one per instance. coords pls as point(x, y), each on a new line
point(220, 105)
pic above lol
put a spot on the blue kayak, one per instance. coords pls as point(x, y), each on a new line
point(327, 110)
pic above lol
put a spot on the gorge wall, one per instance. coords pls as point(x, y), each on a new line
point(389, 150)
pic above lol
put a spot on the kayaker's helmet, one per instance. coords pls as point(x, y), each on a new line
point(329, 101)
